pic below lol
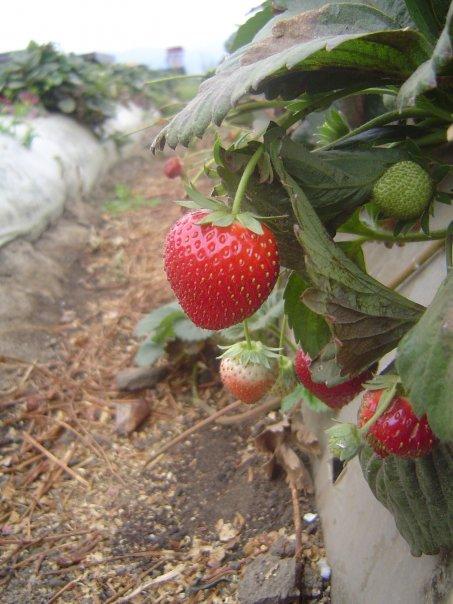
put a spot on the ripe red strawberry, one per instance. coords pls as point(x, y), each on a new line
point(335, 397)
point(398, 430)
point(173, 167)
point(220, 275)
point(248, 382)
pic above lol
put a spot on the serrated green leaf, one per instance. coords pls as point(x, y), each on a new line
point(336, 182)
point(292, 399)
point(335, 45)
point(310, 329)
point(334, 127)
point(247, 31)
point(152, 320)
point(354, 251)
point(445, 198)
point(149, 353)
point(187, 331)
point(428, 74)
point(301, 394)
point(164, 332)
point(367, 318)
point(419, 494)
point(425, 17)
point(313, 403)
point(425, 362)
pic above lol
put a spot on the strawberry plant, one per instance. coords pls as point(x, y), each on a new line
point(277, 186)
point(73, 85)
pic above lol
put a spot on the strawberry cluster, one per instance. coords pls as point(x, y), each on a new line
point(222, 264)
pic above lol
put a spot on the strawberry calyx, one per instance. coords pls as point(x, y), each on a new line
point(251, 352)
point(346, 439)
point(220, 214)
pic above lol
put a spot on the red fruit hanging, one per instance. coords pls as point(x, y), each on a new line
point(173, 167)
point(335, 397)
point(398, 430)
point(220, 275)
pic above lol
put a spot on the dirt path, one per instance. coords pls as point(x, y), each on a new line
point(94, 526)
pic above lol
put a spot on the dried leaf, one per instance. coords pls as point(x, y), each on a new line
point(226, 531)
point(280, 440)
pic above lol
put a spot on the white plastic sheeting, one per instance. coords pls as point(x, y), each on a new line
point(63, 162)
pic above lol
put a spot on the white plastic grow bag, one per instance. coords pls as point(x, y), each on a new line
point(63, 162)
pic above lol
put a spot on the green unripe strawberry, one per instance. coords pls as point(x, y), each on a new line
point(403, 191)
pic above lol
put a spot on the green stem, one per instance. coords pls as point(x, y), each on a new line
point(174, 78)
point(247, 334)
point(368, 234)
point(288, 342)
point(282, 334)
point(242, 186)
point(289, 119)
point(201, 171)
point(434, 138)
point(380, 120)
point(255, 106)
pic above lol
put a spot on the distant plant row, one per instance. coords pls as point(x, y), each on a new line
point(42, 77)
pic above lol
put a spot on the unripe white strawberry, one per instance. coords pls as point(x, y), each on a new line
point(248, 382)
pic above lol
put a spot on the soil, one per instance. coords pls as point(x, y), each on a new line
point(100, 526)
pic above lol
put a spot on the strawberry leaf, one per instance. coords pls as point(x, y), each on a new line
point(418, 492)
point(425, 362)
point(161, 326)
point(247, 31)
point(151, 322)
point(367, 318)
point(332, 44)
point(310, 329)
point(301, 394)
point(148, 353)
point(429, 74)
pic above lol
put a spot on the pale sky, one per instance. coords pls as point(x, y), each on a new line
point(120, 26)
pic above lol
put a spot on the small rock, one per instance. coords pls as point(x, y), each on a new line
point(130, 415)
point(269, 580)
point(310, 517)
point(137, 378)
point(283, 547)
point(311, 583)
point(324, 569)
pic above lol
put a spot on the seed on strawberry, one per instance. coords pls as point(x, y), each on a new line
point(173, 167)
point(398, 430)
point(220, 275)
point(335, 397)
point(247, 382)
